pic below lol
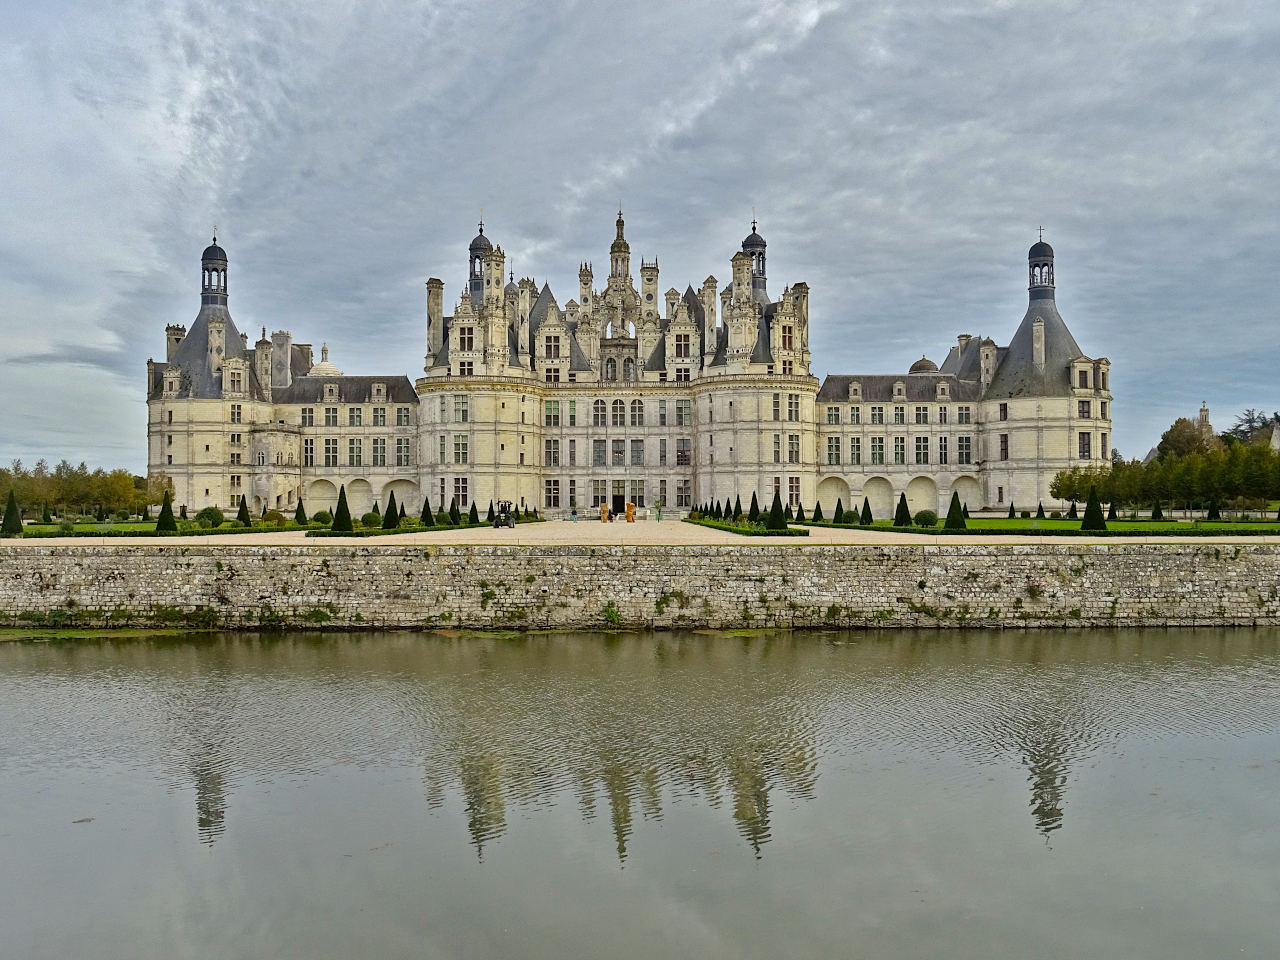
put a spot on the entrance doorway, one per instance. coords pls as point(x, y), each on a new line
point(619, 504)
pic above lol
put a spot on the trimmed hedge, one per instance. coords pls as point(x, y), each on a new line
point(744, 530)
point(1191, 531)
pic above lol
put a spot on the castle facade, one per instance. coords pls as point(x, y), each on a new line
point(623, 394)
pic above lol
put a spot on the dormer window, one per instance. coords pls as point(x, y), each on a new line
point(899, 390)
point(855, 390)
point(379, 391)
point(331, 391)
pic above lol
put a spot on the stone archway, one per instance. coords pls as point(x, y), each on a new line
point(970, 492)
point(360, 497)
point(320, 495)
point(407, 496)
point(922, 494)
point(879, 492)
point(830, 490)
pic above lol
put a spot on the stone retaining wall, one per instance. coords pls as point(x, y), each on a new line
point(348, 585)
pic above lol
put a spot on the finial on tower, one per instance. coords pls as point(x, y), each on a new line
point(1042, 233)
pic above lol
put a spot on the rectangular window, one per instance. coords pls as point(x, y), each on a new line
point(618, 453)
point(460, 451)
point(553, 374)
point(1083, 410)
point(235, 439)
point(618, 413)
point(777, 448)
point(833, 416)
point(637, 453)
point(787, 337)
point(573, 494)
point(877, 450)
point(443, 455)
point(235, 413)
point(684, 493)
point(551, 452)
point(922, 449)
point(308, 452)
point(793, 448)
point(466, 368)
point(402, 451)
point(1102, 445)
point(899, 415)
point(460, 412)
point(599, 492)
point(236, 382)
point(379, 451)
point(788, 368)
point(599, 418)
point(466, 338)
point(551, 413)
point(1085, 451)
point(899, 449)
point(682, 374)
point(331, 453)
point(444, 413)
point(682, 346)
point(877, 415)
point(573, 413)
point(330, 416)
point(354, 458)
point(551, 488)
point(1102, 409)
point(552, 348)
point(573, 453)
point(662, 413)
point(662, 452)
point(235, 481)
point(637, 413)
point(598, 454)
point(793, 406)
point(308, 416)
point(684, 413)
point(662, 493)
point(855, 450)
point(637, 492)
point(964, 450)
point(460, 492)
point(922, 414)
point(684, 449)
point(354, 416)
point(1084, 379)
point(1004, 446)
point(402, 416)
point(235, 459)
point(793, 492)
point(777, 406)
point(964, 415)
point(1004, 411)
point(855, 415)
point(942, 449)
point(833, 451)
point(379, 416)
point(942, 414)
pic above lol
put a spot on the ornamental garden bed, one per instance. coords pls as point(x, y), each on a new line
point(746, 529)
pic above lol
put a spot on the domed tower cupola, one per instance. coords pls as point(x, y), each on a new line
point(620, 252)
point(1040, 270)
point(754, 246)
point(213, 275)
point(479, 249)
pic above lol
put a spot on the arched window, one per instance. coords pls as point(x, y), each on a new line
point(597, 414)
point(262, 458)
point(637, 413)
point(619, 411)
point(611, 369)
point(628, 369)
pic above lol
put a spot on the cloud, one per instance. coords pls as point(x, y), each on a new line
point(899, 159)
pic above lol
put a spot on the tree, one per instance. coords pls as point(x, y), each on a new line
point(474, 516)
point(1039, 511)
point(1182, 437)
point(402, 511)
point(376, 512)
point(300, 515)
point(737, 507)
point(1093, 512)
point(776, 519)
point(12, 526)
point(427, 519)
point(1156, 512)
point(242, 514)
point(1012, 514)
point(166, 523)
point(342, 513)
point(903, 517)
point(455, 517)
point(786, 512)
point(966, 511)
point(1071, 514)
point(865, 519)
point(1214, 513)
point(955, 514)
point(45, 517)
point(391, 519)
point(800, 513)
point(838, 516)
point(753, 515)
point(489, 519)
point(1111, 510)
point(817, 511)
point(716, 512)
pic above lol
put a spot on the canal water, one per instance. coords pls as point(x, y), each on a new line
point(701, 794)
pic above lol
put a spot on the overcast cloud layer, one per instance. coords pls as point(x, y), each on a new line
point(899, 157)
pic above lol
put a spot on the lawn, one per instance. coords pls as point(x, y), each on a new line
point(94, 526)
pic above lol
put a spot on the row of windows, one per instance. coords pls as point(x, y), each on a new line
point(876, 413)
point(922, 452)
point(355, 452)
point(355, 417)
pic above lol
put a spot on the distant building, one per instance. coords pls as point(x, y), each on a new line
point(623, 395)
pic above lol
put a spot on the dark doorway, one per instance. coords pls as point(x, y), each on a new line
point(619, 504)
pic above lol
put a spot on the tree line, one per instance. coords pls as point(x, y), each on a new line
point(67, 489)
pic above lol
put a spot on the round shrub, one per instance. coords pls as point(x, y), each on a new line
point(1055, 515)
point(236, 525)
point(322, 516)
point(371, 519)
point(275, 517)
point(926, 518)
point(66, 527)
point(122, 515)
point(203, 523)
point(210, 517)
point(1026, 514)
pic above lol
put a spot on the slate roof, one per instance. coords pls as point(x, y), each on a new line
point(878, 387)
point(1017, 374)
point(350, 389)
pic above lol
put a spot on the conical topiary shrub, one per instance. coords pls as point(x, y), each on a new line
point(966, 511)
point(183, 512)
point(242, 514)
point(716, 512)
point(786, 512)
point(391, 519)
point(427, 519)
point(473, 517)
point(45, 516)
point(376, 512)
point(1156, 512)
point(1111, 510)
point(1093, 512)
point(1040, 511)
point(955, 514)
point(800, 513)
point(1071, 514)
point(264, 511)
point(777, 518)
point(1214, 513)
point(455, 517)
point(838, 516)
point(902, 518)
point(866, 519)
point(402, 511)
point(342, 513)
point(166, 523)
point(300, 515)
point(490, 517)
point(817, 511)
point(12, 526)
point(753, 515)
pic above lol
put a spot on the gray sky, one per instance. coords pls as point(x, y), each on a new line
point(899, 157)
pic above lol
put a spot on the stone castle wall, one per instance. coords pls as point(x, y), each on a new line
point(585, 587)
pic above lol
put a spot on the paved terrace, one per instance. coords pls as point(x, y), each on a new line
point(593, 532)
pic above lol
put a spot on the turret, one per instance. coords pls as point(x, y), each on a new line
point(648, 287)
point(475, 276)
point(619, 253)
point(1040, 270)
point(584, 287)
point(754, 246)
point(672, 297)
point(174, 334)
point(213, 274)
